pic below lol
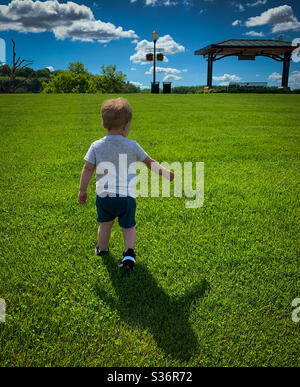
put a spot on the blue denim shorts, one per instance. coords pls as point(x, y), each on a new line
point(121, 207)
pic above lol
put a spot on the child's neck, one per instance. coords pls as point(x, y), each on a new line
point(115, 132)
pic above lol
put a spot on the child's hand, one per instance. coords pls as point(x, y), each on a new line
point(82, 197)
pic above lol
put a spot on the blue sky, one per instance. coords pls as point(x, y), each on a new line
point(55, 32)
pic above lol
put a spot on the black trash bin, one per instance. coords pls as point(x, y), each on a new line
point(155, 87)
point(167, 88)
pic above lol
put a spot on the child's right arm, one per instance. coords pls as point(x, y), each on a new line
point(86, 175)
point(154, 166)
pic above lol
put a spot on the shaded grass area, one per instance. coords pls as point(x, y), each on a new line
point(213, 286)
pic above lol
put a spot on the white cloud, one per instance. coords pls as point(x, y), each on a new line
point(294, 79)
point(90, 30)
point(138, 84)
point(142, 48)
point(226, 78)
point(292, 25)
point(37, 16)
point(240, 7)
point(257, 3)
point(254, 33)
point(133, 69)
point(166, 3)
point(163, 70)
point(50, 68)
point(276, 77)
point(171, 78)
point(166, 43)
point(65, 20)
point(171, 74)
point(237, 22)
point(169, 45)
point(282, 18)
point(169, 3)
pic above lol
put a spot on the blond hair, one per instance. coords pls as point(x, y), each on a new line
point(116, 113)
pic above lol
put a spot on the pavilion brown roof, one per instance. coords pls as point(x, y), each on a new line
point(247, 47)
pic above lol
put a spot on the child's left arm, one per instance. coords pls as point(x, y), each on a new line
point(86, 175)
point(154, 166)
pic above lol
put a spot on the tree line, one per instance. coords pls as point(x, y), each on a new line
point(21, 78)
point(76, 79)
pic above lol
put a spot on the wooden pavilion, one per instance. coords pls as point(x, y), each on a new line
point(249, 49)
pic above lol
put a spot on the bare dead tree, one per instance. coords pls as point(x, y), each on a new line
point(17, 66)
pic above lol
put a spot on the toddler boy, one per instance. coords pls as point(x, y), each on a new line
point(116, 198)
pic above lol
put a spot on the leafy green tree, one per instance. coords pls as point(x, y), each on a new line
point(42, 73)
point(78, 80)
point(130, 88)
point(56, 72)
point(92, 88)
point(112, 81)
point(77, 68)
point(5, 70)
point(26, 72)
point(98, 83)
point(61, 83)
point(82, 84)
point(4, 84)
point(34, 85)
point(67, 82)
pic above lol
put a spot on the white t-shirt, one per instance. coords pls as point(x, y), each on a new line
point(114, 156)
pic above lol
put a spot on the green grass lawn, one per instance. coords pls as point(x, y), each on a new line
point(213, 286)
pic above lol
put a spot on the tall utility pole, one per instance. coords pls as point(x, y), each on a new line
point(154, 37)
point(154, 88)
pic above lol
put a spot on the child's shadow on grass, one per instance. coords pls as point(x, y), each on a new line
point(142, 303)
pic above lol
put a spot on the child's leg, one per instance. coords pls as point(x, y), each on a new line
point(129, 235)
point(104, 235)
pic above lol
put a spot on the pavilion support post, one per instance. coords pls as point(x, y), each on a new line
point(286, 70)
point(209, 70)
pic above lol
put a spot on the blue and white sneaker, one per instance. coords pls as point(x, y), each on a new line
point(128, 260)
point(100, 253)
